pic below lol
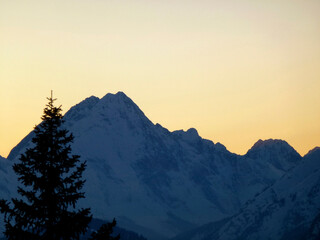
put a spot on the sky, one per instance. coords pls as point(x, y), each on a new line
point(237, 71)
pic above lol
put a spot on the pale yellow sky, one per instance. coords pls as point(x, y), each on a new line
point(237, 71)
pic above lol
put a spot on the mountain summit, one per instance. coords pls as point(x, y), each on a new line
point(161, 183)
point(110, 107)
point(278, 154)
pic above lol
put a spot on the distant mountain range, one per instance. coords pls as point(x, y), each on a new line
point(166, 184)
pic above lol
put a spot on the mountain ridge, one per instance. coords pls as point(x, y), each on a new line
point(89, 102)
point(138, 170)
point(289, 209)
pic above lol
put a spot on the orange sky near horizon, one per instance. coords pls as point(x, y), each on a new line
point(237, 71)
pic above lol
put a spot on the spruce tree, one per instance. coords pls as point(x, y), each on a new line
point(51, 181)
point(105, 232)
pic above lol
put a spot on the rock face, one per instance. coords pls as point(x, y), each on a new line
point(162, 183)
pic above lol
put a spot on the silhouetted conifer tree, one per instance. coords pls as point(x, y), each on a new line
point(51, 186)
point(105, 232)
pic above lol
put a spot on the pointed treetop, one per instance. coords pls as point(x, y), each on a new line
point(51, 98)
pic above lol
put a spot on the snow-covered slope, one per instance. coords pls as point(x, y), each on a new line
point(290, 209)
point(159, 182)
point(7, 179)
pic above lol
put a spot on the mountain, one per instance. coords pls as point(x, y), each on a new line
point(278, 154)
point(272, 159)
point(289, 209)
point(161, 183)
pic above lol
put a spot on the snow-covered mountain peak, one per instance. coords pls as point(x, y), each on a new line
point(112, 109)
point(276, 152)
point(270, 143)
point(271, 146)
point(118, 100)
point(119, 105)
